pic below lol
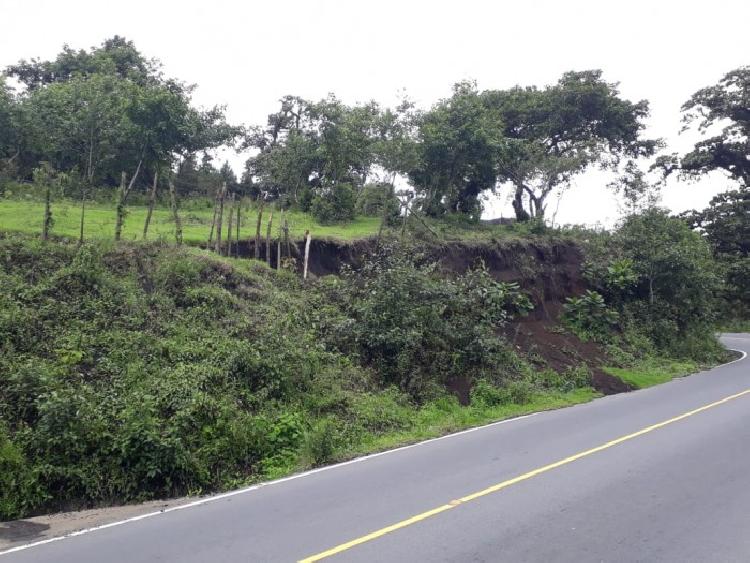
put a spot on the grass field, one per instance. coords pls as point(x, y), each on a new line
point(26, 217)
point(653, 372)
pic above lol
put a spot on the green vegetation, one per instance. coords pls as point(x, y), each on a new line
point(653, 371)
point(26, 217)
point(134, 371)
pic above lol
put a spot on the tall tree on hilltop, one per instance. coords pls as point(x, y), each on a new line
point(726, 103)
point(459, 143)
point(556, 133)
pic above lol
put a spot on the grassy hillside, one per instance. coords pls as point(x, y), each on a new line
point(148, 370)
point(26, 217)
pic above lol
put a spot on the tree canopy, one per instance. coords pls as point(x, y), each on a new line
point(535, 140)
point(726, 104)
point(108, 110)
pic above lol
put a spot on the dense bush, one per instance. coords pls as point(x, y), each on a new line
point(136, 371)
point(335, 204)
point(130, 372)
point(589, 315)
point(378, 200)
point(420, 330)
point(662, 279)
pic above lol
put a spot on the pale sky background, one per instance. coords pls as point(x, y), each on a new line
point(248, 54)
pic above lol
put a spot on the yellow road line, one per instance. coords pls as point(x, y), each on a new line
point(500, 486)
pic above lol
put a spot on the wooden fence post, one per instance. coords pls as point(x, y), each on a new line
point(257, 229)
point(151, 203)
point(268, 240)
point(229, 226)
point(237, 234)
point(47, 211)
point(213, 219)
point(220, 217)
point(307, 254)
point(286, 238)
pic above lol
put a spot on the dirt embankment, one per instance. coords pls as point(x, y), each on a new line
point(548, 271)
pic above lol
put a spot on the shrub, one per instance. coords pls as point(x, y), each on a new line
point(589, 316)
point(373, 199)
point(335, 204)
point(419, 330)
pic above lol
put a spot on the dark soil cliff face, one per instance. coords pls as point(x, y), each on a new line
point(548, 271)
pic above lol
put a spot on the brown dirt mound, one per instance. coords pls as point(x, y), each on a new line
point(548, 346)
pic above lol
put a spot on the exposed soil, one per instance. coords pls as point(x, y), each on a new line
point(548, 272)
point(547, 346)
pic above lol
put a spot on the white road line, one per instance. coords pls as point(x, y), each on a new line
point(251, 488)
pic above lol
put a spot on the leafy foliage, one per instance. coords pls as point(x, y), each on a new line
point(131, 372)
point(589, 315)
point(726, 225)
point(661, 278)
point(334, 204)
point(727, 104)
point(419, 330)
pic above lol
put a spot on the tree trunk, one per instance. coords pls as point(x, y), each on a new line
point(47, 212)
point(124, 192)
point(384, 217)
point(229, 226)
point(220, 217)
point(651, 297)
point(175, 214)
point(307, 254)
point(257, 230)
point(406, 216)
point(151, 203)
point(278, 253)
point(268, 239)
point(286, 238)
point(521, 213)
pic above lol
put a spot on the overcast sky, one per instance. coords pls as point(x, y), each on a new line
point(248, 54)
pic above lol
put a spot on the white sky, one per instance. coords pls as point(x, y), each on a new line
point(248, 54)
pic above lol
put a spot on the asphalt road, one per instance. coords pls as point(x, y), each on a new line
point(661, 474)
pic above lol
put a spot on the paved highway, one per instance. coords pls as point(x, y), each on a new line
point(661, 474)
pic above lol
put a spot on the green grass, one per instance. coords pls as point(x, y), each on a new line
point(435, 419)
point(653, 371)
point(439, 419)
point(26, 217)
point(736, 325)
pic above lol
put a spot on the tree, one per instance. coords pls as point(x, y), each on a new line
point(676, 273)
point(637, 192)
point(726, 225)
point(726, 103)
point(76, 124)
point(109, 110)
point(556, 133)
point(115, 56)
point(459, 141)
point(308, 148)
point(8, 131)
